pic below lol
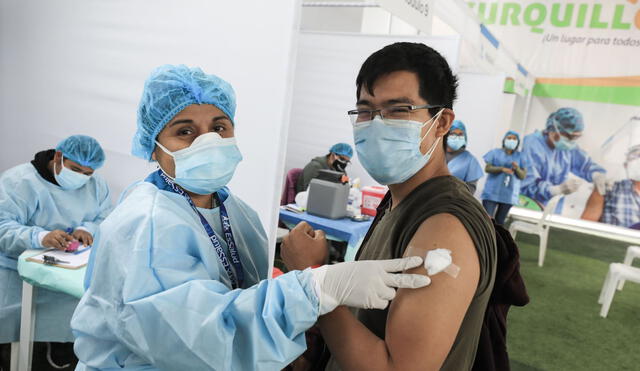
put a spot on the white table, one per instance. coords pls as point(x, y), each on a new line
point(609, 231)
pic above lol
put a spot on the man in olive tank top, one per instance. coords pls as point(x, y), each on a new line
point(405, 93)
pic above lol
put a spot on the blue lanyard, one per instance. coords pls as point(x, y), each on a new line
point(228, 235)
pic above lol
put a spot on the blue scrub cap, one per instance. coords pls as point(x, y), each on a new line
point(170, 89)
point(82, 150)
point(568, 120)
point(457, 124)
point(511, 132)
point(342, 149)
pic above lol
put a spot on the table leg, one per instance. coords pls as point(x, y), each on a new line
point(27, 326)
point(15, 348)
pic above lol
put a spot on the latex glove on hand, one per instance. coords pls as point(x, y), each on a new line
point(568, 187)
point(600, 182)
point(304, 247)
point(368, 284)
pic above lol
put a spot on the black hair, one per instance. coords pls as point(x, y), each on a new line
point(437, 83)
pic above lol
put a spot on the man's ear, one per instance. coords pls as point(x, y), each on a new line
point(444, 122)
point(153, 155)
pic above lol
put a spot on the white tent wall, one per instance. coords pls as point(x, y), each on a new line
point(324, 90)
point(70, 67)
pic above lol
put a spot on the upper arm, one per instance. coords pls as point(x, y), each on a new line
point(595, 205)
point(423, 323)
point(104, 200)
point(308, 173)
point(488, 157)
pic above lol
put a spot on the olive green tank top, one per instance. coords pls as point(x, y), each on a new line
point(395, 228)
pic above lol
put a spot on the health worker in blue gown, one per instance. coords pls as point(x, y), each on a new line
point(554, 153)
point(47, 203)
point(506, 167)
point(462, 164)
point(178, 278)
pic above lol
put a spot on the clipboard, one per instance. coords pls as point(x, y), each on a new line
point(69, 260)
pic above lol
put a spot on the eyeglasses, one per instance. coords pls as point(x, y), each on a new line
point(392, 112)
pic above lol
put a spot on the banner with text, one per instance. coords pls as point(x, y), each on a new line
point(586, 38)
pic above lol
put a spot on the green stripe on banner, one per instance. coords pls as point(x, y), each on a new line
point(628, 95)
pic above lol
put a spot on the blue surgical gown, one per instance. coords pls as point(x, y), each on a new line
point(465, 167)
point(159, 299)
point(549, 167)
point(29, 204)
point(495, 188)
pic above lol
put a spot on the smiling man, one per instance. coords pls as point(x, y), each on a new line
point(405, 94)
point(48, 203)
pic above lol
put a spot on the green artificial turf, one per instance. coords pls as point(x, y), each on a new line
point(560, 329)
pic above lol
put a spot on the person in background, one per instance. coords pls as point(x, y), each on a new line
point(47, 203)
point(620, 205)
point(462, 164)
point(405, 93)
point(178, 276)
point(506, 168)
point(554, 153)
point(338, 158)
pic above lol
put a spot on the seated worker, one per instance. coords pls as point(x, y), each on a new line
point(462, 164)
point(338, 158)
point(620, 205)
point(178, 276)
point(506, 168)
point(46, 204)
point(554, 153)
point(405, 93)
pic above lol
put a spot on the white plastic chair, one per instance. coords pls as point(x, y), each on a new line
point(539, 228)
point(632, 253)
point(617, 273)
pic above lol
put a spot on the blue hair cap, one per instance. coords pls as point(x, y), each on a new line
point(83, 150)
point(568, 120)
point(457, 124)
point(342, 149)
point(170, 89)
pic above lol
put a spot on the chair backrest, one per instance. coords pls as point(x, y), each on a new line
point(289, 191)
point(549, 209)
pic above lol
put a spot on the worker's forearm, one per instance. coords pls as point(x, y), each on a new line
point(493, 169)
point(520, 173)
point(360, 350)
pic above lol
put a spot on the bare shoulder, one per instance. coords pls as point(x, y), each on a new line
point(441, 306)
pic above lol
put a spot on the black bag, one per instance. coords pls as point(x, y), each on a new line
point(509, 289)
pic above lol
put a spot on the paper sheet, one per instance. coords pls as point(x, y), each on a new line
point(73, 260)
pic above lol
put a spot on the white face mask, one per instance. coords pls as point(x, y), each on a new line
point(69, 179)
point(207, 164)
point(390, 149)
point(633, 170)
